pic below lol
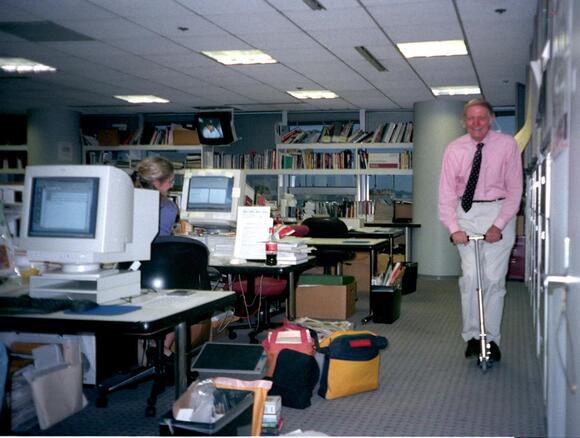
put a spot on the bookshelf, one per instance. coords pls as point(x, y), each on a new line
point(126, 157)
point(13, 161)
point(337, 173)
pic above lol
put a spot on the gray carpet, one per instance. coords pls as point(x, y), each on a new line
point(427, 387)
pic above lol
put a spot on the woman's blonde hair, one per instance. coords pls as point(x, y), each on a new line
point(152, 169)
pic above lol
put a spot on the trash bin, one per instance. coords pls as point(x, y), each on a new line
point(237, 421)
point(409, 283)
point(385, 303)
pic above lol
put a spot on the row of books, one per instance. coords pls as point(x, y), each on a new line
point(309, 159)
point(335, 133)
point(130, 159)
point(147, 134)
point(389, 132)
point(250, 160)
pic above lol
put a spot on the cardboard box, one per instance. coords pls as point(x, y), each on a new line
point(325, 296)
point(403, 212)
point(359, 269)
point(182, 136)
point(109, 137)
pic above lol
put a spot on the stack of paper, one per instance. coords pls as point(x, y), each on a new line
point(291, 253)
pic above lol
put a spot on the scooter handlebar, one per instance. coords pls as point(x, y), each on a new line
point(475, 237)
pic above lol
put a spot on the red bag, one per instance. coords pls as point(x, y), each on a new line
point(276, 342)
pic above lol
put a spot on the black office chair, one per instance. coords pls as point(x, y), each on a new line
point(176, 262)
point(329, 227)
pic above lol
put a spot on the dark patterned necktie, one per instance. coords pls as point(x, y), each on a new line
point(467, 198)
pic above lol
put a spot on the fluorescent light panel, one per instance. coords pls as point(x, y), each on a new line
point(22, 65)
point(142, 99)
point(456, 90)
point(313, 94)
point(240, 57)
point(433, 48)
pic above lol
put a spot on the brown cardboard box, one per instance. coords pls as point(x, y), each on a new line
point(359, 269)
point(109, 137)
point(326, 301)
point(182, 136)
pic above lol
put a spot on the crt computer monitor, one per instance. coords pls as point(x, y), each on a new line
point(84, 216)
point(210, 197)
point(216, 127)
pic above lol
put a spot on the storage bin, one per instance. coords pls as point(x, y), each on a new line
point(409, 283)
point(237, 421)
point(385, 303)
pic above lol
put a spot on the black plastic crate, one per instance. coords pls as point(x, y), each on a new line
point(237, 421)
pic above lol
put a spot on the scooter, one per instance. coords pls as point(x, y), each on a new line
point(484, 348)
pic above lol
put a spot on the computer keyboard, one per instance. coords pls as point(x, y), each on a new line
point(24, 304)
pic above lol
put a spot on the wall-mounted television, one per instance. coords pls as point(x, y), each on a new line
point(216, 127)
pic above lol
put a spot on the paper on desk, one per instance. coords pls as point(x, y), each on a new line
point(252, 229)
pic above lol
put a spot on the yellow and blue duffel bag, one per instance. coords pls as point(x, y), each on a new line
point(351, 363)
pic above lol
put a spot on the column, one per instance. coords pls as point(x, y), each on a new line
point(53, 136)
point(437, 122)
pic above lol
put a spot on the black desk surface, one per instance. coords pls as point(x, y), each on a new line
point(392, 224)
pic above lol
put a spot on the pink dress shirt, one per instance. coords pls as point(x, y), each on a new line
point(500, 176)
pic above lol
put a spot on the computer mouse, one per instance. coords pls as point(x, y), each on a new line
point(80, 306)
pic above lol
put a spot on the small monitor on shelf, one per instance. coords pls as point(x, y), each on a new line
point(211, 197)
point(82, 217)
point(216, 127)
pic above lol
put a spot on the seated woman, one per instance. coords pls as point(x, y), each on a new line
point(157, 173)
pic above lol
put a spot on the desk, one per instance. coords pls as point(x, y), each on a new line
point(379, 233)
point(254, 269)
point(372, 245)
point(408, 233)
point(153, 318)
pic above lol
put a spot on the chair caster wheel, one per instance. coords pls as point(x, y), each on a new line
point(232, 335)
point(150, 411)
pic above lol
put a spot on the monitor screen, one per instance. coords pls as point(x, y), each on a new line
point(64, 207)
point(216, 127)
point(210, 193)
point(83, 216)
point(210, 197)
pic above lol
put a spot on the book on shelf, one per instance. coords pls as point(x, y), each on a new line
point(326, 133)
point(383, 160)
point(378, 134)
point(388, 132)
point(408, 137)
point(355, 135)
